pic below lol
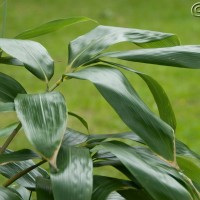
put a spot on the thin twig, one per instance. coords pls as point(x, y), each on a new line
point(10, 138)
point(56, 84)
point(20, 174)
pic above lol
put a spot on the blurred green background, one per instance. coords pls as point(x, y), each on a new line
point(182, 85)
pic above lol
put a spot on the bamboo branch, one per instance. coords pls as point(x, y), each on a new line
point(22, 173)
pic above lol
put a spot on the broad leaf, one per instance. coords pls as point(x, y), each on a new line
point(184, 150)
point(24, 193)
point(43, 117)
point(32, 54)
point(179, 56)
point(7, 107)
point(157, 183)
point(50, 27)
point(9, 88)
point(10, 61)
point(190, 167)
point(132, 110)
point(21, 155)
point(104, 158)
point(28, 180)
point(8, 194)
point(74, 176)
point(86, 47)
point(162, 101)
point(72, 138)
point(103, 186)
point(8, 129)
point(44, 189)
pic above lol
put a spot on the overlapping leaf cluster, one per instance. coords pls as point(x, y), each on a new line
point(157, 166)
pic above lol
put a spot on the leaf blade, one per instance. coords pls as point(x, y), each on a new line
point(74, 178)
point(7, 194)
point(87, 47)
point(9, 88)
point(184, 56)
point(158, 184)
point(32, 54)
point(131, 109)
point(51, 26)
point(43, 117)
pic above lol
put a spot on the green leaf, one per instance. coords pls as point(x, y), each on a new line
point(10, 61)
point(186, 56)
point(7, 107)
point(32, 54)
point(157, 183)
point(82, 120)
point(24, 193)
point(73, 137)
point(190, 167)
point(8, 194)
point(9, 88)
point(92, 138)
point(8, 129)
point(85, 48)
point(103, 186)
point(43, 117)
point(115, 196)
point(117, 90)
point(51, 26)
point(44, 189)
point(162, 101)
point(74, 176)
point(24, 154)
point(28, 180)
point(137, 194)
point(184, 150)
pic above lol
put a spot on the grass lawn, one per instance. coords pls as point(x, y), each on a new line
point(182, 85)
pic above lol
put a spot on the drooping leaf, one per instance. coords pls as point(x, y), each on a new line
point(8, 194)
point(185, 56)
point(132, 110)
point(157, 183)
point(190, 167)
point(104, 158)
point(81, 119)
point(51, 26)
point(162, 101)
point(7, 107)
point(43, 117)
point(184, 150)
point(72, 137)
point(44, 189)
point(86, 47)
point(11, 61)
point(9, 88)
point(74, 176)
point(32, 54)
point(28, 180)
point(21, 155)
point(8, 129)
point(103, 186)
